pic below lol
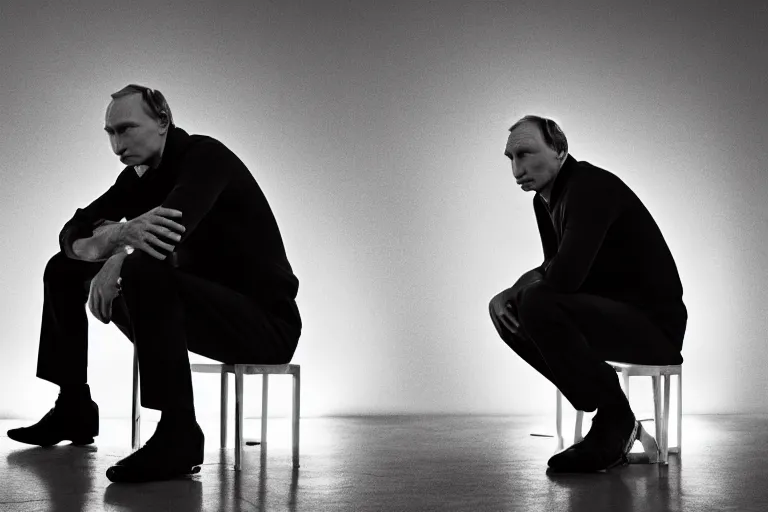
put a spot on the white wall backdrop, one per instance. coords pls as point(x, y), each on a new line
point(377, 129)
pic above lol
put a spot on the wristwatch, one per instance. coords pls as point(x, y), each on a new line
point(128, 250)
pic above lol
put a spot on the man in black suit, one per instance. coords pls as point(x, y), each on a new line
point(608, 289)
point(198, 265)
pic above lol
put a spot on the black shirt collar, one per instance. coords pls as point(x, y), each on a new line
point(174, 143)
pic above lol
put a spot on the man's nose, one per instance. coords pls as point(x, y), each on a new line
point(118, 147)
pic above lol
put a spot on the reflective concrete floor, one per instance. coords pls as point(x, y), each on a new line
point(399, 463)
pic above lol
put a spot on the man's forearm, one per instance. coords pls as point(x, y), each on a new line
point(104, 243)
point(529, 278)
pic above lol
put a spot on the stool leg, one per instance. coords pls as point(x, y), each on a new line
point(224, 406)
point(264, 406)
point(559, 419)
point(238, 417)
point(657, 408)
point(680, 413)
point(296, 415)
point(579, 423)
point(625, 377)
point(136, 406)
point(665, 442)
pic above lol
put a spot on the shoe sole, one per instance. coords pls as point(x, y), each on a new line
point(134, 475)
point(80, 441)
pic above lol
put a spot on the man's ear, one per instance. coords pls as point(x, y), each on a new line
point(164, 122)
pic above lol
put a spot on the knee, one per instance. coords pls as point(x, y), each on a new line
point(535, 303)
point(141, 267)
point(494, 315)
point(502, 298)
point(501, 305)
point(496, 305)
point(58, 268)
point(492, 307)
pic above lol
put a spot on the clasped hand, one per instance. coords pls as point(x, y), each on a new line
point(142, 233)
point(502, 309)
point(503, 305)
point(153, 230)
point(104, 289)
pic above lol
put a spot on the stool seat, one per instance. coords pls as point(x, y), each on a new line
point(661, 405)
point(248, 369)
point(647, 370)
point(239, 370)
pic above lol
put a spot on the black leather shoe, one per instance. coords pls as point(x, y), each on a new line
point(171, 452)
point(605, 446)
point(71, 419)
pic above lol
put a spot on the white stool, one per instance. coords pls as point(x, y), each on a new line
point(661, 414)
point(239, 370)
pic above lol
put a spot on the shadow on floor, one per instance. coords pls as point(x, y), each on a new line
point(61, 475)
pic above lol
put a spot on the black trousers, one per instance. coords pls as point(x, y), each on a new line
point(567, 337)
point(165, 312)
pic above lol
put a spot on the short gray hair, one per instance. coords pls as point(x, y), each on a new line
point(153, 100)
point(551, 133)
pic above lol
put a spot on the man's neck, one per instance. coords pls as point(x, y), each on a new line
point(157, 160)
point(546, 192)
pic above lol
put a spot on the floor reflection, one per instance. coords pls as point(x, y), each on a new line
point(637, 487)
point(257, 485)
point(180, 494)
point(400, 463)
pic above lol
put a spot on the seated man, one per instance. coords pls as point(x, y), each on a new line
point(199, 265)
point(608, 290)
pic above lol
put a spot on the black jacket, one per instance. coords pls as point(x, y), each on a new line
point(231, 235)
point(599, 238)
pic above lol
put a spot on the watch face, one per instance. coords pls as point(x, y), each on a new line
point(128, 249)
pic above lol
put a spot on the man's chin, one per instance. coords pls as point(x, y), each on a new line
point(131, 160)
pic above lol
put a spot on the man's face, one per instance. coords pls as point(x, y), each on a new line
point(135, 136)
point(534, 164)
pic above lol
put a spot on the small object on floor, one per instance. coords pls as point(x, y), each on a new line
point(252, 443)
point(132, 474)
point(542, 435)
